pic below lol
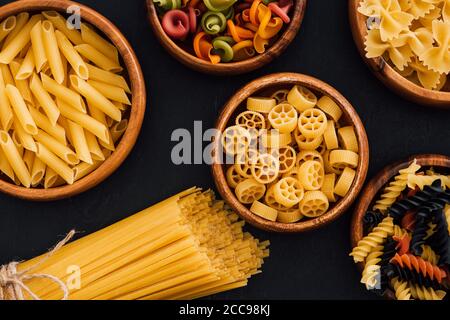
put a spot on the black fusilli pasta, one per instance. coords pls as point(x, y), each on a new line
point(371, 220)
point(423, 217)
point(440, 241)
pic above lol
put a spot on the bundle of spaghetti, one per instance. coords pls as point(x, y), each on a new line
point(185, 247)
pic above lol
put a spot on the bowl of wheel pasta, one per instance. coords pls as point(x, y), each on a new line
point(225, 37)
point(72, 99)
point(400, 230)
point(292, 153)
point(404, 43)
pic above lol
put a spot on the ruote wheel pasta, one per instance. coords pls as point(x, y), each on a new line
point(311, 175)
point(314, 204)
point(251, 120)
point(235, 140)
point(283, 117)
point(249, 191)
point(313, 156)
point(266, 168)
point(312, 123)
point(288, 192)
point(301, 98)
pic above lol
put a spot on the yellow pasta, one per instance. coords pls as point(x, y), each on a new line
point(327, 105)
point(330, 137)
point(312, 123)
point(339, 159)
point(347, 137)
point(60, 24)
point(44, 123)
point(118, 129)
point(289, 216)
point(98, 58)
point(344, 182)
point(233, 177)
point(311, 175)
point(72, 56)
point(6, 113)
point(7, 26)
point(21, 110)
point(314, 204)
point(328, 187)
point(79, 142)
point(249, 191)
point(283, 118)
point(275, 140)
point(288, 192)
point(251, 120)
point(287, 158)
point(235, 140)
point(265, 169)
point(26, 68)
point(305, 143)
point(301, 98)
point(111, 92)
point(280, 96)
point(28, 158)
point(37, 171)
point(37, 44)
point(59, 149)
point(21, 85)
point(15, 159)
point(110, 78)
point(52, 161)
point(260, 104)
point(26, 140)
point(63, 93)
point(52, 51)
point(307, 155)
point(44, 99)
point(264, 211)
point(90, 37)
point(94, 147)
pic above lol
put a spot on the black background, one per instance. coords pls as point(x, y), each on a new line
point(305, 266)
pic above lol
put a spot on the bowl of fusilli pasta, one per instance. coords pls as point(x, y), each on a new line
point(400, 230)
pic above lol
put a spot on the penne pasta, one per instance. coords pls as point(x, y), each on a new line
point(44, 99)
point(51, 177)
point(15, 159)
point(118, 130)
point(52, 51)
point(98, 58)
point(17, 143)
point(21, 21)
point(7, 26)
point(93, 146)
point(96, 98)
point(79, 141)
point(5, 167)
point(28, 158)
point(111, 92)
point(72, 56)
point(52, 161)
point(37, 171)
point(59, 149)
point(100, 117)
point(21, 110)
point(84, 120)
point(113, 79)
point(25, 139)
point(56, 131)
point(27, 66)
point(63, 93)
point(60, 24)
point(6, 113)
point(37, 43)
point(12, 49)
point(21, 85)
point(83, 169)
point(6, 73)
point(92, 38)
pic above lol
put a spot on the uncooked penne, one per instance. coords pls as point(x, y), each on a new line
point(94, 147)
point(96, 98)
point(60, 24)
point(5, 167)
point(15, 159)
point(50, 177)
point(44, 99)
point(7, 26)
point(113, 79)
point(63, 93)
point(6, 113)
point(21, 110)
point(92, 38)
point(98, 58)
point(52, 51)
point(37, 43)
point(26, 140)
point(6, 73)
point(27, 66)
point(79, 142)
point(21, 21)
point(72, 56)
point(83, 169)
point(28, 158)
point(56, 131)
point(21, 85)
point(59, 149)
point(12, 49)
point(118, 129)
point(111, 92)
point(37, 171)
point(52, 161)
point(17, 143)
point(100, 117)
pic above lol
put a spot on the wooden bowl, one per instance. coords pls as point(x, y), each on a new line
point(137, 109)
point(391, 78)
point(375, 186)
point(188, 58)
point(265, 86)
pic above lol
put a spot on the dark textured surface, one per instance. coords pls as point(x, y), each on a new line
point(307, 266)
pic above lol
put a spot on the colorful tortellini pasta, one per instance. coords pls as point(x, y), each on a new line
point(221, 31)
point(406, 247)
point(413, 36)
point(293, 155)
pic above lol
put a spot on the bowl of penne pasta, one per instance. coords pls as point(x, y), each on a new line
point(293, 153)
point(225, 37)
point(72, 99)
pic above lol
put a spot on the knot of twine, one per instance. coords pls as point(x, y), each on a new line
point(13, 283)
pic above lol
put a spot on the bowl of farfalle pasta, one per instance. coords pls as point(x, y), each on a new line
point(405, 43)
point(293, 153)
point(400, 230)
point(72, 99)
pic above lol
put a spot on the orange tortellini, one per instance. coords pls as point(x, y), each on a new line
point(294, 154)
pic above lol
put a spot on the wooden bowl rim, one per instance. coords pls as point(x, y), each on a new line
point(318, 86)
point(137, 109)
point(387, 74)
point(231, 68)
point(378, 182)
